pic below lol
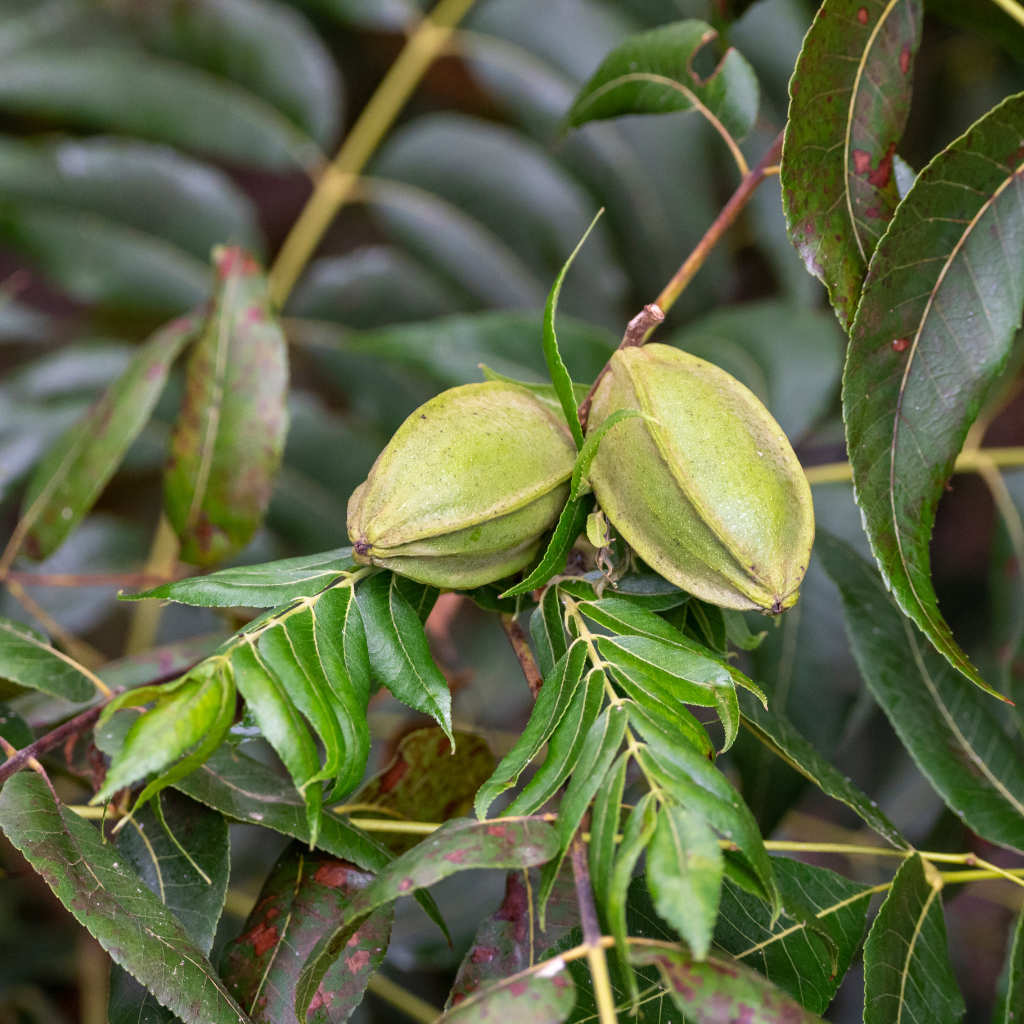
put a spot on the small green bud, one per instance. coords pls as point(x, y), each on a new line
point(466, 488)
point(706, 489)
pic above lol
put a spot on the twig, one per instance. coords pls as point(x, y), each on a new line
point(596, 959)
point(968, 462)
point(81, 651)
point(521, 647)
point(23, 758)
point(428, 40)
point(637, 331)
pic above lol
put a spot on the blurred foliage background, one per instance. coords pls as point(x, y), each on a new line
point(137, 134)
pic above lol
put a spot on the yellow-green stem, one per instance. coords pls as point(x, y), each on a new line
point(335, 186)
point(163, 558)
point(968, 462)
point(1012, 8)
point(405, 1002)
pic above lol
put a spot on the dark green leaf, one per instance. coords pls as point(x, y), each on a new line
point(785, 741)
point(1011, 982)
point(230, 433)
point(459, 845)
point(87, 87)
point(565, 746)
point(850, 97)
point(28, 660)
point(511, 939)
point(425, 781)
point(717, 990)
point(684, 875)
point(547, 631)
point(107, 897)
point(941, 306)
point(907, 973)
point(604, 828)
point(181, 852)
point(256, 586)
point(14, 728)
point(808, 962)
point(399, 654)
point(653, 73)
point(262, 46)
point(302, 898)
point(70, 477)
point(949, 727)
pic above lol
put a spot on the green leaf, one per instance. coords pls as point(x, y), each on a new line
point(948, 726)
point(907, 973)
point(71, 476)
point(399, 654)
point(691, 780)
point(256, 586)
point(808, 962)
point(229, 437)
point(850, 95)
point(134, 927)
point(547, 631)
point(459, 845)
point(1011, 982)
point(942, 303)
point(539, 997)
point(565, 746)
point(86, 87)
point(604, 829)
point(264, 47)
point(180, 850)
point(715, 990)
point(425, 781)
point(190, 716)
point(28, 660)
point(509, 940)
point(571, 521)
point(556, 368)
point(600, 746)
point(653, 73)
point(14, 729)
point(784, 740)
point(300, 901)
point(281, 725)
point(684, 875)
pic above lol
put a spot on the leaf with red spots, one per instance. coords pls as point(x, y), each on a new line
point(941, 307)
point(301, 900)
point(719, 991)
point(71, 476)
point(849, 99)
point(229, 436)
point(425, 781)
point(511, 939)
point(459, 845)
point(106, 896)
point(545, 996)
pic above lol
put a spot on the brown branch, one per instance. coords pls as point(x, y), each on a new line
point(23, 758)
point(584, 892)
point(521, 647)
